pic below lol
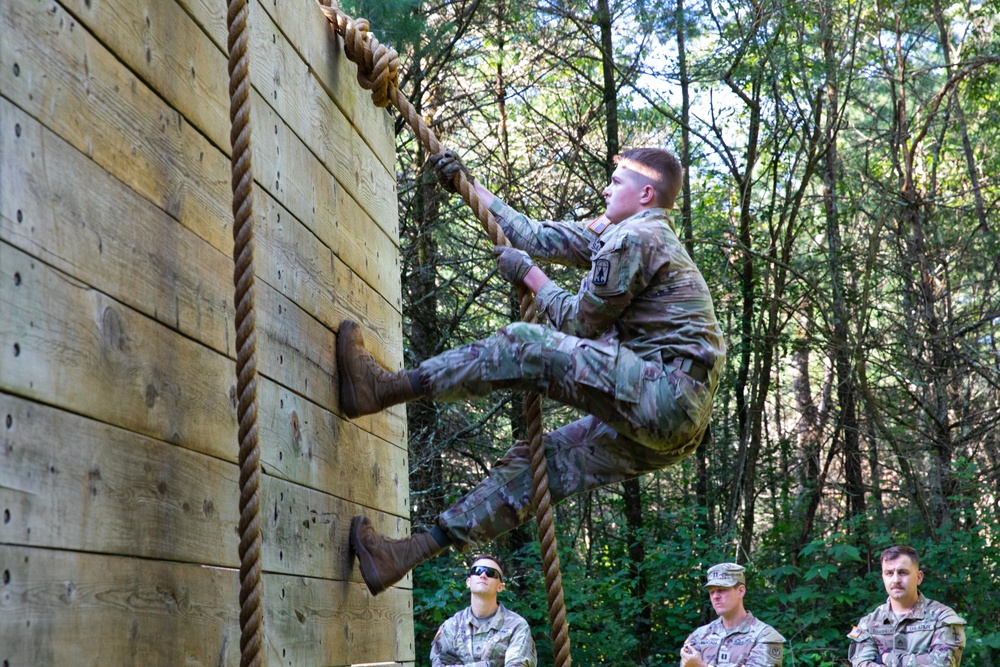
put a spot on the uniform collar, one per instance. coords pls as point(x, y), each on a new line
point(918, 611)
point(493, 622)
point(745, 626)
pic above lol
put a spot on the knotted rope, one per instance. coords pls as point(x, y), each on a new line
point(251, 561)
point(378, 66)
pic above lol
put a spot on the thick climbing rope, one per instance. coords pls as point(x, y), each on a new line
point(251, 561)
point(378, 66)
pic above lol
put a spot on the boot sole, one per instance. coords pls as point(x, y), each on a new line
point(365, 561)
point(346, 386)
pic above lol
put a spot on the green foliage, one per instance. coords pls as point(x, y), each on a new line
point(838, 227)
point(814, 604)
point(397, 23)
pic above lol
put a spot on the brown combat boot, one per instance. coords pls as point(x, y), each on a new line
point(366, 387)
point(384, 561)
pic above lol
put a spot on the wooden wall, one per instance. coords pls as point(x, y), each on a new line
point(118, 436)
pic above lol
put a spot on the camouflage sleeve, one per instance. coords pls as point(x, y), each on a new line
point(437, 647)
point(765, 654)
point(767, 650)
point(445, 650)
point(618, 272)
point(863, 651)
point(521, 649)
point(563, 242)
point(584, 314)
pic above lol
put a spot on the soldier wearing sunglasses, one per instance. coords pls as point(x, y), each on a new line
point(484, 634)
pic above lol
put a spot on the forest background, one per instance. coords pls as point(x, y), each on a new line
point(840, 197)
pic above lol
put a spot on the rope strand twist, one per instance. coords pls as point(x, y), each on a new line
point(251, 559)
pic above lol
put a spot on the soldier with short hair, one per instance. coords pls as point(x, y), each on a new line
point(484, 634)
point(638, 348)
point(909, 630)
point(736, 638)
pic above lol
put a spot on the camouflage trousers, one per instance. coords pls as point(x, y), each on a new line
point(637, 423)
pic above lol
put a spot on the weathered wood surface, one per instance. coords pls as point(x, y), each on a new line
point(79, 89)
point(64, 608)
point(165, 44)
point(68, 482)
point(109, 238)
point(83, 351)
point(118, 475)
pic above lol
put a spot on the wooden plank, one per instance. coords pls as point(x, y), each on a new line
point(110, 238)
point(324, 623)
point(71, 483)
point(306, 444)
point(74, 86)
point(61, 207)
point(152, 613)
point(191, 74)
point(305, 27)
point(305, 188)
point(76, 348)
point(288, 85)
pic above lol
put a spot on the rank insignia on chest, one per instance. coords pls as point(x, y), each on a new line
point(602, 268)
point(599, 225)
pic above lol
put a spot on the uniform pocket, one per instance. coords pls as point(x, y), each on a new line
point(590, 363)
point(631, 374)
point(693, 397)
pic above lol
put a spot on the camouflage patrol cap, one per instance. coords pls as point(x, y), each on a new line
point(726, 575)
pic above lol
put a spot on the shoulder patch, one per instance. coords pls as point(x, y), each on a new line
point(601, 271)
point(598, 225)
point(774, 651)
point(855, 633)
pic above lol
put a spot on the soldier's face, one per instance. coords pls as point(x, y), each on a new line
point(901, 578)
point(625, 194)
point(726, 599)
point(480, 583)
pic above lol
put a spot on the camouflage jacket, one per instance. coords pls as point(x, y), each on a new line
point(753, 643)
point(642, 289)
point(929, 635)
point(502, 640)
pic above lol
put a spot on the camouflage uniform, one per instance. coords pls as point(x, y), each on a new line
point(930, 634)
point(502, 640)
point(619, 349)
point(753, 643)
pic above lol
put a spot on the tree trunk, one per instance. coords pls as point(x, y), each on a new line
point(603, 20)
point(842, 341)
point(636, 538)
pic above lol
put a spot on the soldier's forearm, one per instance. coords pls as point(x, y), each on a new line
point(936, 657)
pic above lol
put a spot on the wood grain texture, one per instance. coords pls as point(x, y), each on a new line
point(64, 608)
point(72, 84)
point(68, 482)
point(78, 349)
point(109, 238)
point(118, 475)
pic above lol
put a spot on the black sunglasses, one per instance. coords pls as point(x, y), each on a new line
point(491, 572)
